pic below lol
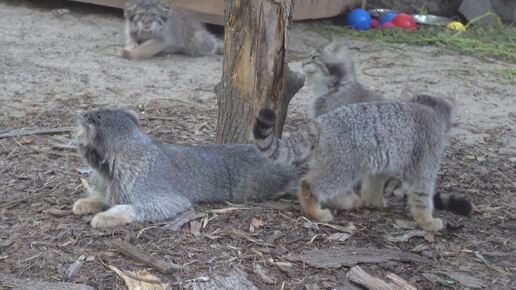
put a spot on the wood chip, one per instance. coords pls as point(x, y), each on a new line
point(151, 261)
point(262, 273)
point(337, 257)
point(406, 236)
point(37, 131)
point(57, 212)
point(361, 277)
point(465, 279)
point(195, 228)
point(11, 282)
point(141, 280)
point(181, 220)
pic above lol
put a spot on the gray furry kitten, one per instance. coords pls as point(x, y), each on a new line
point(137, 179)
point(367, 143)
point(153, 27)
point(331, 73)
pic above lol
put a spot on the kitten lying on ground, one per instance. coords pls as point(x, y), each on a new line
point(138, 180)
point(153, 27)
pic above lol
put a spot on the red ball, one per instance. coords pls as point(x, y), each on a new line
point(404, 21)
point(388, 24)
point(374, 23)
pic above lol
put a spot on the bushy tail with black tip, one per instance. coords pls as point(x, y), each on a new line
point(455, 203)
point(292, 150)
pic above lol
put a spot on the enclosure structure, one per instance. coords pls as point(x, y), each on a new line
point(212, 11)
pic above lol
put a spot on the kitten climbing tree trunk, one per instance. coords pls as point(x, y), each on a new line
point(255, 74)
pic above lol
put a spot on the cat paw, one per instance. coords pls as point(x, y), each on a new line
point(375, 203)
point(109, 220)
point(324, 216)
point(433, 225)
point(86, 206)
point(125, 54)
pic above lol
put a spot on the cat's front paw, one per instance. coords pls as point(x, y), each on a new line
point(125, 54)
point(433, 225)
point(109, 220)
point(87, 205)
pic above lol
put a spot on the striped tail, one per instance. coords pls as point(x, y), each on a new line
point(292, 150)
point(443, 107)
point(454, 203)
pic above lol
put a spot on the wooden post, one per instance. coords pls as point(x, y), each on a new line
point(255, 74)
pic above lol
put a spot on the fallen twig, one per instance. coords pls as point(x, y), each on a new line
point(361, 277)
point(37, 131)
point(182, 220)
point(154, 262)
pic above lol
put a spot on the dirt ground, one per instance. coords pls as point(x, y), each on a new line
point(55, 63)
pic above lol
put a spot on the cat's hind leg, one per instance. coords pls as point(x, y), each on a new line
point(310, 204)
point(420, 192)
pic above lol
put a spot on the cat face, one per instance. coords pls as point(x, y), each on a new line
point(101, 133)
point(328, 65)
point(145, 19)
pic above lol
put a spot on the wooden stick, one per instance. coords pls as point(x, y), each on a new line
point(361, 277)
point(154, 262)
point(37, 131)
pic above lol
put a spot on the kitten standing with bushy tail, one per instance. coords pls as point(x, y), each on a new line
point(367, 143)
point(153, 27)
point(139, 180)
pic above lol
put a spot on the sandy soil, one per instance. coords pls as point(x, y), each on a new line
point(54, 64)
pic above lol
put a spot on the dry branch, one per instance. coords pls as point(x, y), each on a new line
point(361, 277)
point(37, 131)
point(182, 220)
point(337, 257)
point(154, 262)
point(11, 282)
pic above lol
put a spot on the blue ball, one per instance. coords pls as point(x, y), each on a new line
point(359, 19)
point(386, 18)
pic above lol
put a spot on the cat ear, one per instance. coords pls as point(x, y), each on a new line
point(130, 9)
point(132, 115)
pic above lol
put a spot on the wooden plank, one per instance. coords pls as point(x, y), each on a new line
point(10, 281)
point(212, 11)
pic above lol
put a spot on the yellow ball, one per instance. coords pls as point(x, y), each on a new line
point(456, 25)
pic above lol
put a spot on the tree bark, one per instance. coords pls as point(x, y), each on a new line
point(255, 74)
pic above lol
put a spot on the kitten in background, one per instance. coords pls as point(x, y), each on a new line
point(153, 27)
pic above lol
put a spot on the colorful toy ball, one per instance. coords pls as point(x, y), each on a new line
point(374, 23)
point(387, 24)
point(456, 25)
point(359, 19)
point(404, 21)
point(387, 17)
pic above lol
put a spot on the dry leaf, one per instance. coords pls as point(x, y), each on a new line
point(195, 228)
point(341, 237)
point(429, 237)
point(141, 280)
point(256, 224)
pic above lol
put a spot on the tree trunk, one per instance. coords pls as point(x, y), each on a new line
point(254, 73)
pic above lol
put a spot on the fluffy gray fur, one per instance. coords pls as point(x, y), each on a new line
point(331, 73)
point(153, 27)
point(141, 180)
point(367, 143)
